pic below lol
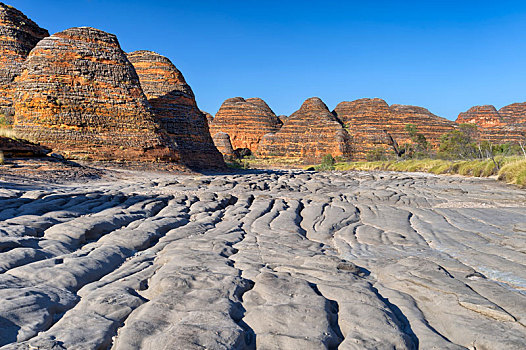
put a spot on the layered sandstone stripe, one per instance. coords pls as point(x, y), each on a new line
point(508, 124)
point(174, 106)
point(370, 120)
point(309, 134)
point(18, 35)
point(80, 95)
point(245, 121)
point(484, 116)
point(514, 115)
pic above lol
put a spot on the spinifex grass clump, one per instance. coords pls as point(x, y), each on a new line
point(512, 169)
point(514, 172)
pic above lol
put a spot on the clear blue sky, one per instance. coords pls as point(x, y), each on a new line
point(443, 55)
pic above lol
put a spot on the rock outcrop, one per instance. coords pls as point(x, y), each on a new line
point(80, 95)
point(371, 120)
point(484, 116)
point(309, 134)
point(508, 124)
point(223, 144)
point(174, 107)
point(18, 36)
point(245, 121)
point(11, 148)
point(514, 115)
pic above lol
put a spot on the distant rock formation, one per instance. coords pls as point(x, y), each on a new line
point(309, 134)
point(484, 116)
point(508, 124)
point(514, 115)
point(175, 108)
point(371, 122)
point(18, 36)
point(80, 95)
point(245, 121)
point(223, 144)
point(209, 117)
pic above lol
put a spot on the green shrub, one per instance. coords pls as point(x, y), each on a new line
point(327, 163)
point(1, 157)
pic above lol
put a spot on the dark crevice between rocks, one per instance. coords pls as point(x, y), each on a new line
point(332, 309)
point(403, 321)
point(238, 313)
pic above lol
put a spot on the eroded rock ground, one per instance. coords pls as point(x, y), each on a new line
point(266, 260)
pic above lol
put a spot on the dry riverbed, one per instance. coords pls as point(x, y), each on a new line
point(262, 259)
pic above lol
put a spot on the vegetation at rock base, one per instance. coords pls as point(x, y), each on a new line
point(327, 163)
point(513, 168)
point(1, 158)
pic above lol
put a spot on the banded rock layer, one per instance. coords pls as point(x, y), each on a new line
point(80, 95)
point(174, 106)
point(308, 134)
point(508, 124)
point(245, 121)
point(369, 120)
point(18, 35)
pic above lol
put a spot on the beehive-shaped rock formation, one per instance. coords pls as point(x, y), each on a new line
point(508, 124)
point(223, 144)
point(484, 116)
point(18, 36)
point(174, 106)
point(309, 134)
point(370, 120)
point(429, 124)
point(245, 121)
point(514, 115)
point(79, 94)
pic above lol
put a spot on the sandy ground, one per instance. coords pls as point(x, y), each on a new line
point(262, 259)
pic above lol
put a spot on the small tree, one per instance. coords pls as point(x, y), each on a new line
point(419, 146)
point(460, 143)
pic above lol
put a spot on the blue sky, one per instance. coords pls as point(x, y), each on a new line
point(443, 55)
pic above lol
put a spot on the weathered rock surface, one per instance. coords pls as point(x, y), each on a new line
point(174, 107)
point(18, 36)
point(245, 121)
point(369, 120)
point(508, 124)
point(223, 144)
point(267, 260)
point(308, 134)
point(80, 95)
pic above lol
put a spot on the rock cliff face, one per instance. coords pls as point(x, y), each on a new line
point(174, 107)
point(245, 121)
point(505, 125)
point(309, 134)
point(369, 120)
point(80, 95)
point(18, 36)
